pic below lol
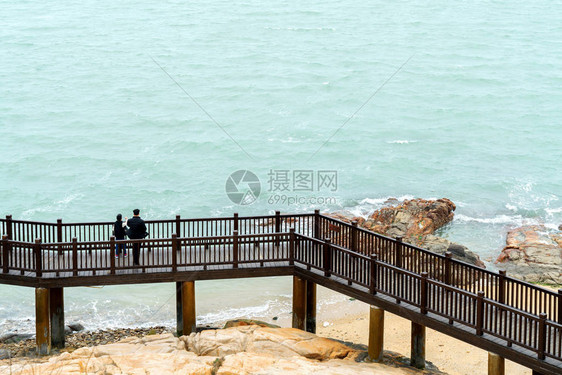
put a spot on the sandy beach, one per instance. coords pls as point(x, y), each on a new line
point(349, 321)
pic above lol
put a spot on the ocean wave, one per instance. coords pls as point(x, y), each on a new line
point(401, 141)
point(524, 195)
point(235, 313)
point(552, 211)
point(499, 219)
point(55, 206)
point(301, 28)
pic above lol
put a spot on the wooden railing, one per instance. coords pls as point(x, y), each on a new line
point(469, 309)
point(498, 286)
point(480, 300)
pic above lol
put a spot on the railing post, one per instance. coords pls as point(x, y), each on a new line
point(423, 293)
point(448, 266)
point(316, 229)
point(480, 313)
point(9, 227)
point(542, 336)
point(399, 252)
point(178, 225)
point(560, 306)
point(327, 257)
point(38, 258)
point(373, 276)
point(277, 226)
point(5, 254)
point(236, 223)
point(501, 287)
point(174, 252)
point(235, 250)
point(112, 253)
point(59, 235)
point(292, 246)
point(277, 221)
point(353, 236)
point(74, 256)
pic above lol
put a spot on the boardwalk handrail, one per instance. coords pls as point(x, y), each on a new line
point(369, 273)
point(472, 310)
point(466, 276)
point(498, 286)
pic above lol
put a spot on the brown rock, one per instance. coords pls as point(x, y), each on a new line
point(533, 254)
point(285, 342)
point(415, 221)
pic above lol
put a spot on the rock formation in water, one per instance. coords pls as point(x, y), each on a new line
point(416, 220)
point(534, 254)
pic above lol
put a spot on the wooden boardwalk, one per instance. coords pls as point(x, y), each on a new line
point(474, 305)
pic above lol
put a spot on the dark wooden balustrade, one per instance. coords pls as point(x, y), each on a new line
point(493, 306)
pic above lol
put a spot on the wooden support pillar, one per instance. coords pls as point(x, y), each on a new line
point(310, 306)
point(42, 317)
point(299, 302)
point(417, 357)
point(496, 364)
point(179, 310)
point(376, 334)
point(56, 306)
point(188, 306)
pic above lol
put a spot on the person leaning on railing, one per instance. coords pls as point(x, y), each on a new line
point(119, 233)
point(136, 231)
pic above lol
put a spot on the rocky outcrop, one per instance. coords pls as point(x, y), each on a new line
point(534, 254)
point(441, 245)
point(285, 342)
point(411, 218)
point(416, 221)
point(232, 351)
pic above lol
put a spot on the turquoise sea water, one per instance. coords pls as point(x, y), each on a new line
point(91, 126)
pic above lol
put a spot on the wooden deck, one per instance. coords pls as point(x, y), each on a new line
point(473, 305)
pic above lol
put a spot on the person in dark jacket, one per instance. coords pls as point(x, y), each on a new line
point(137, 231)
point(119, 233)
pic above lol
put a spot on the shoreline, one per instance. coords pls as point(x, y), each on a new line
point(345, 320)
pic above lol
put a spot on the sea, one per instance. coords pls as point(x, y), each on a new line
point(108, 106)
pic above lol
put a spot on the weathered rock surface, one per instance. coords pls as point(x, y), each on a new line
point(441, 245)
point(284, 342)
point(534, 254)
point(412, 218)
point(416, 220)
point(232, 351)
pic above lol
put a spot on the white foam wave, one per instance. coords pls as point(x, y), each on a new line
point(367, 205)
point(381, 201)
point(401, 141)
point(301, 28)
point(511, 207)
point(552, 211)
point(499, 219)
point(523, 195)
point(234, 313)
point(55, 206)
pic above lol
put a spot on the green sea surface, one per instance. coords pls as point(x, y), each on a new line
point(108, 106)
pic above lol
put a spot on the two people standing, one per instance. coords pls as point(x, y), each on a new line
point(135, 228)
